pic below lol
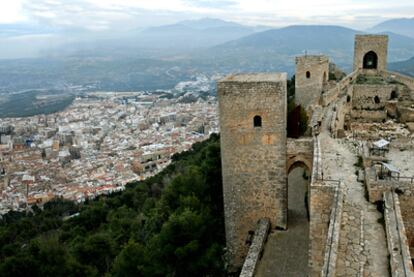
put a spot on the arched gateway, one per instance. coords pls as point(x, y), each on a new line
point(370, 60)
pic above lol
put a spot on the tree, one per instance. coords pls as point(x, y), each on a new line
point(96, 250)
point(130, 261)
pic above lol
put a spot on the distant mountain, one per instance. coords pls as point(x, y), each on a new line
point(402, 26)
point(400, 47)
point(125, 64)
point(298, 39)
point(405, 67)
point(180, 37)
point(275, 49)
point(207, 23)
point(192, 34)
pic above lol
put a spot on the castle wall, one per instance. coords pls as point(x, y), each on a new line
point(367, 43)
point(332, 240)
point(406, 80)
point(364, 96)
point(369, 102)
point(312, 74)
point(301, 145)
point(398, 248)
point(341, 88)
point(368, 116)
point(300, 150)
point(406, 114)
point(256, 249)
point(321, 201)
point(377, 188)
point(337, 123)
point(407, 211)
point(253, 158)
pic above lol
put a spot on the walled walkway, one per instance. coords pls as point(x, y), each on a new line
point(362, 243)
point(286, 252)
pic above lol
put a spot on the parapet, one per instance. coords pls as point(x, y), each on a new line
point(312, 59)
point(371, 37)
point(256, 78)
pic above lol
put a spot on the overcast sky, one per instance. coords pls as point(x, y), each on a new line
point(115, 14)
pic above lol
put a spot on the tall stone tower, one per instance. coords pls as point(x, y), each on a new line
point(312, 74)
point(371, 52)
point(253, 111)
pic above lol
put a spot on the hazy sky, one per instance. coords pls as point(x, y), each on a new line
point(107, 14)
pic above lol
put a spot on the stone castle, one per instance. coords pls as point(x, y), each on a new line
point(358, 152)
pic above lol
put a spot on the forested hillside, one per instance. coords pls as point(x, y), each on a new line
point(169, 225)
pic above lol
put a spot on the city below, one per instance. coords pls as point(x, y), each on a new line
point(97, 145)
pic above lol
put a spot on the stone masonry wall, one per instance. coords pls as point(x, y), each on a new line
point(342, 109)
point(332, 239)
point(364, 96)
point(367, 43)
point(321, 201)
point(398, 248)
point(377, 187)
point(299, 150)
point(368, 116)
point(376, 190)
point(253, 158)
point(341, 87)
point(301, 145)
point(407, 211)
point(256, 249)
point(406, 80)
point(308, 88)
point(406, 114)
point(369, 102)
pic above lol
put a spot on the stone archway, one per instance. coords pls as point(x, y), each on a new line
point(298, 182)
point(298, 209)
point(299, 161)
point(370, 60)
point(299, 155)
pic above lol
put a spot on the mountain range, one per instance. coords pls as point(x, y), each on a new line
point(402, 26)
point(405, 67)
point(275, 49)
point(201, 33)
point(160, 57)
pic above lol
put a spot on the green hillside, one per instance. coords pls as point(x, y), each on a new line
point(168, 225)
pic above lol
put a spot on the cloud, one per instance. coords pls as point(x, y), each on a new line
point(74, 14)
point(213, 4)
point(11, 11)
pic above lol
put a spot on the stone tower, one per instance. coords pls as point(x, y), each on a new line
point(370, 53)
point(253, 111)
point(312, 74)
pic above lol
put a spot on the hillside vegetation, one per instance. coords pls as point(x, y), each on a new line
point(168, 225)
point(34, 102)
